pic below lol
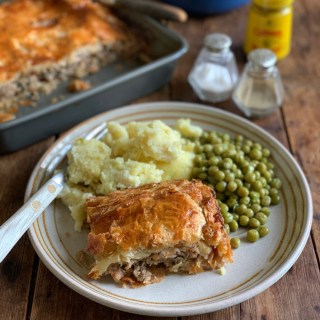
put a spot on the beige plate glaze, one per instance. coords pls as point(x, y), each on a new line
point(256, 266)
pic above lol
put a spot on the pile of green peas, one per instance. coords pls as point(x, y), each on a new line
point(243, 177)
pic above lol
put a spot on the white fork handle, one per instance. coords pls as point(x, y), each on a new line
point(13, 229)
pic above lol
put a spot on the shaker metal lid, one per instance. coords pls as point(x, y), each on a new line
point(217, 41)
point(264, 58)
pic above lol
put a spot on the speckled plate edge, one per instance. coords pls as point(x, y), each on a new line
point(182, 309)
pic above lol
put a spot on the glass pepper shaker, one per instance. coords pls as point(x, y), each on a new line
point(215, 72)
point(259, 91)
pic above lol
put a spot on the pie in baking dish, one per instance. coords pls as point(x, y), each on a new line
point(140, 234)
point(44, 42)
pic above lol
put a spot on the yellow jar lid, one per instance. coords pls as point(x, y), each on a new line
point(273, 4)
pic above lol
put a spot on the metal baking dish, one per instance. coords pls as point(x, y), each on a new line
point(113, 86)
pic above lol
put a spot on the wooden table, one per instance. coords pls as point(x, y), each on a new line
point(30, 291)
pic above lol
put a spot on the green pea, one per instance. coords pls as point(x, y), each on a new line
point(253, 235)
point(263, 231)
point(261, 217)
point(248, 169)
point(213, 161)
point(229, 176)
point(227, 163)
point(235, 243)
point(267, 175)
point(243, 221)
point(238, 182)
point(233, 225)
point(221, 186)
point(232, 186)
point(238, 158)
point(257, 174)
point(224, 208)
point(227, 217)
point(219, 175)
point(218, 149)
point(266, 152)
point(254, 223)
point(207, 148)
point(231, 202)
point(266, 201)
point(245, 163)
point(215, 140)
point(257, 185)
point(205, 135)
point(254, 194)
point(244, 200)
point(263, 181)
point(276, 183)
point(261, 167)
point(196, 171)
point(275, 199)
point(213, 170)
point(255, 201)
point(247, 185)
point(243, 192)
point(273, 192)
point(246, 149)
point(255, 208)
point(225, 137)
point(271, 171)
point(255, 154)
point(198, 148)
point(250, 177)
point(235, 217)
point(238, 173)
point(266, 211)
point(249, 213)
point(270, 165)
point(226, 226)
point(197, 159)
point(257, 145)
point(241, 209)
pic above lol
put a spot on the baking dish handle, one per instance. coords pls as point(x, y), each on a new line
point(154, 9)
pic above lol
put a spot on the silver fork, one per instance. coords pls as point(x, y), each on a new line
point(13, 229)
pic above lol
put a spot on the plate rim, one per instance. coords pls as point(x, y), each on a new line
point(182, 310)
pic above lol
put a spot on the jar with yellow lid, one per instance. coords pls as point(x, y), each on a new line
point(270, 26)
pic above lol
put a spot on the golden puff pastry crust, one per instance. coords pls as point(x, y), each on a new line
point(139, 234)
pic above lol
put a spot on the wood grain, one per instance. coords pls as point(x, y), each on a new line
point(302, 111)
point(16, 269)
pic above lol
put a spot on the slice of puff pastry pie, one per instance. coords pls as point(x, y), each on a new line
point(138, 235)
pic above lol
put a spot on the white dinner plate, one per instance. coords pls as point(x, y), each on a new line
point(256, 266)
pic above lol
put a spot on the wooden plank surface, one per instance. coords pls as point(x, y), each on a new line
point(30, 291)
point(16, 270)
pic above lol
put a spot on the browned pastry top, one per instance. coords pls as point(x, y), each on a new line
point(38, 31)
point(154, 216)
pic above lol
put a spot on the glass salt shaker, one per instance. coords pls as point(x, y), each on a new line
point(259, 91)
point(215, 72)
